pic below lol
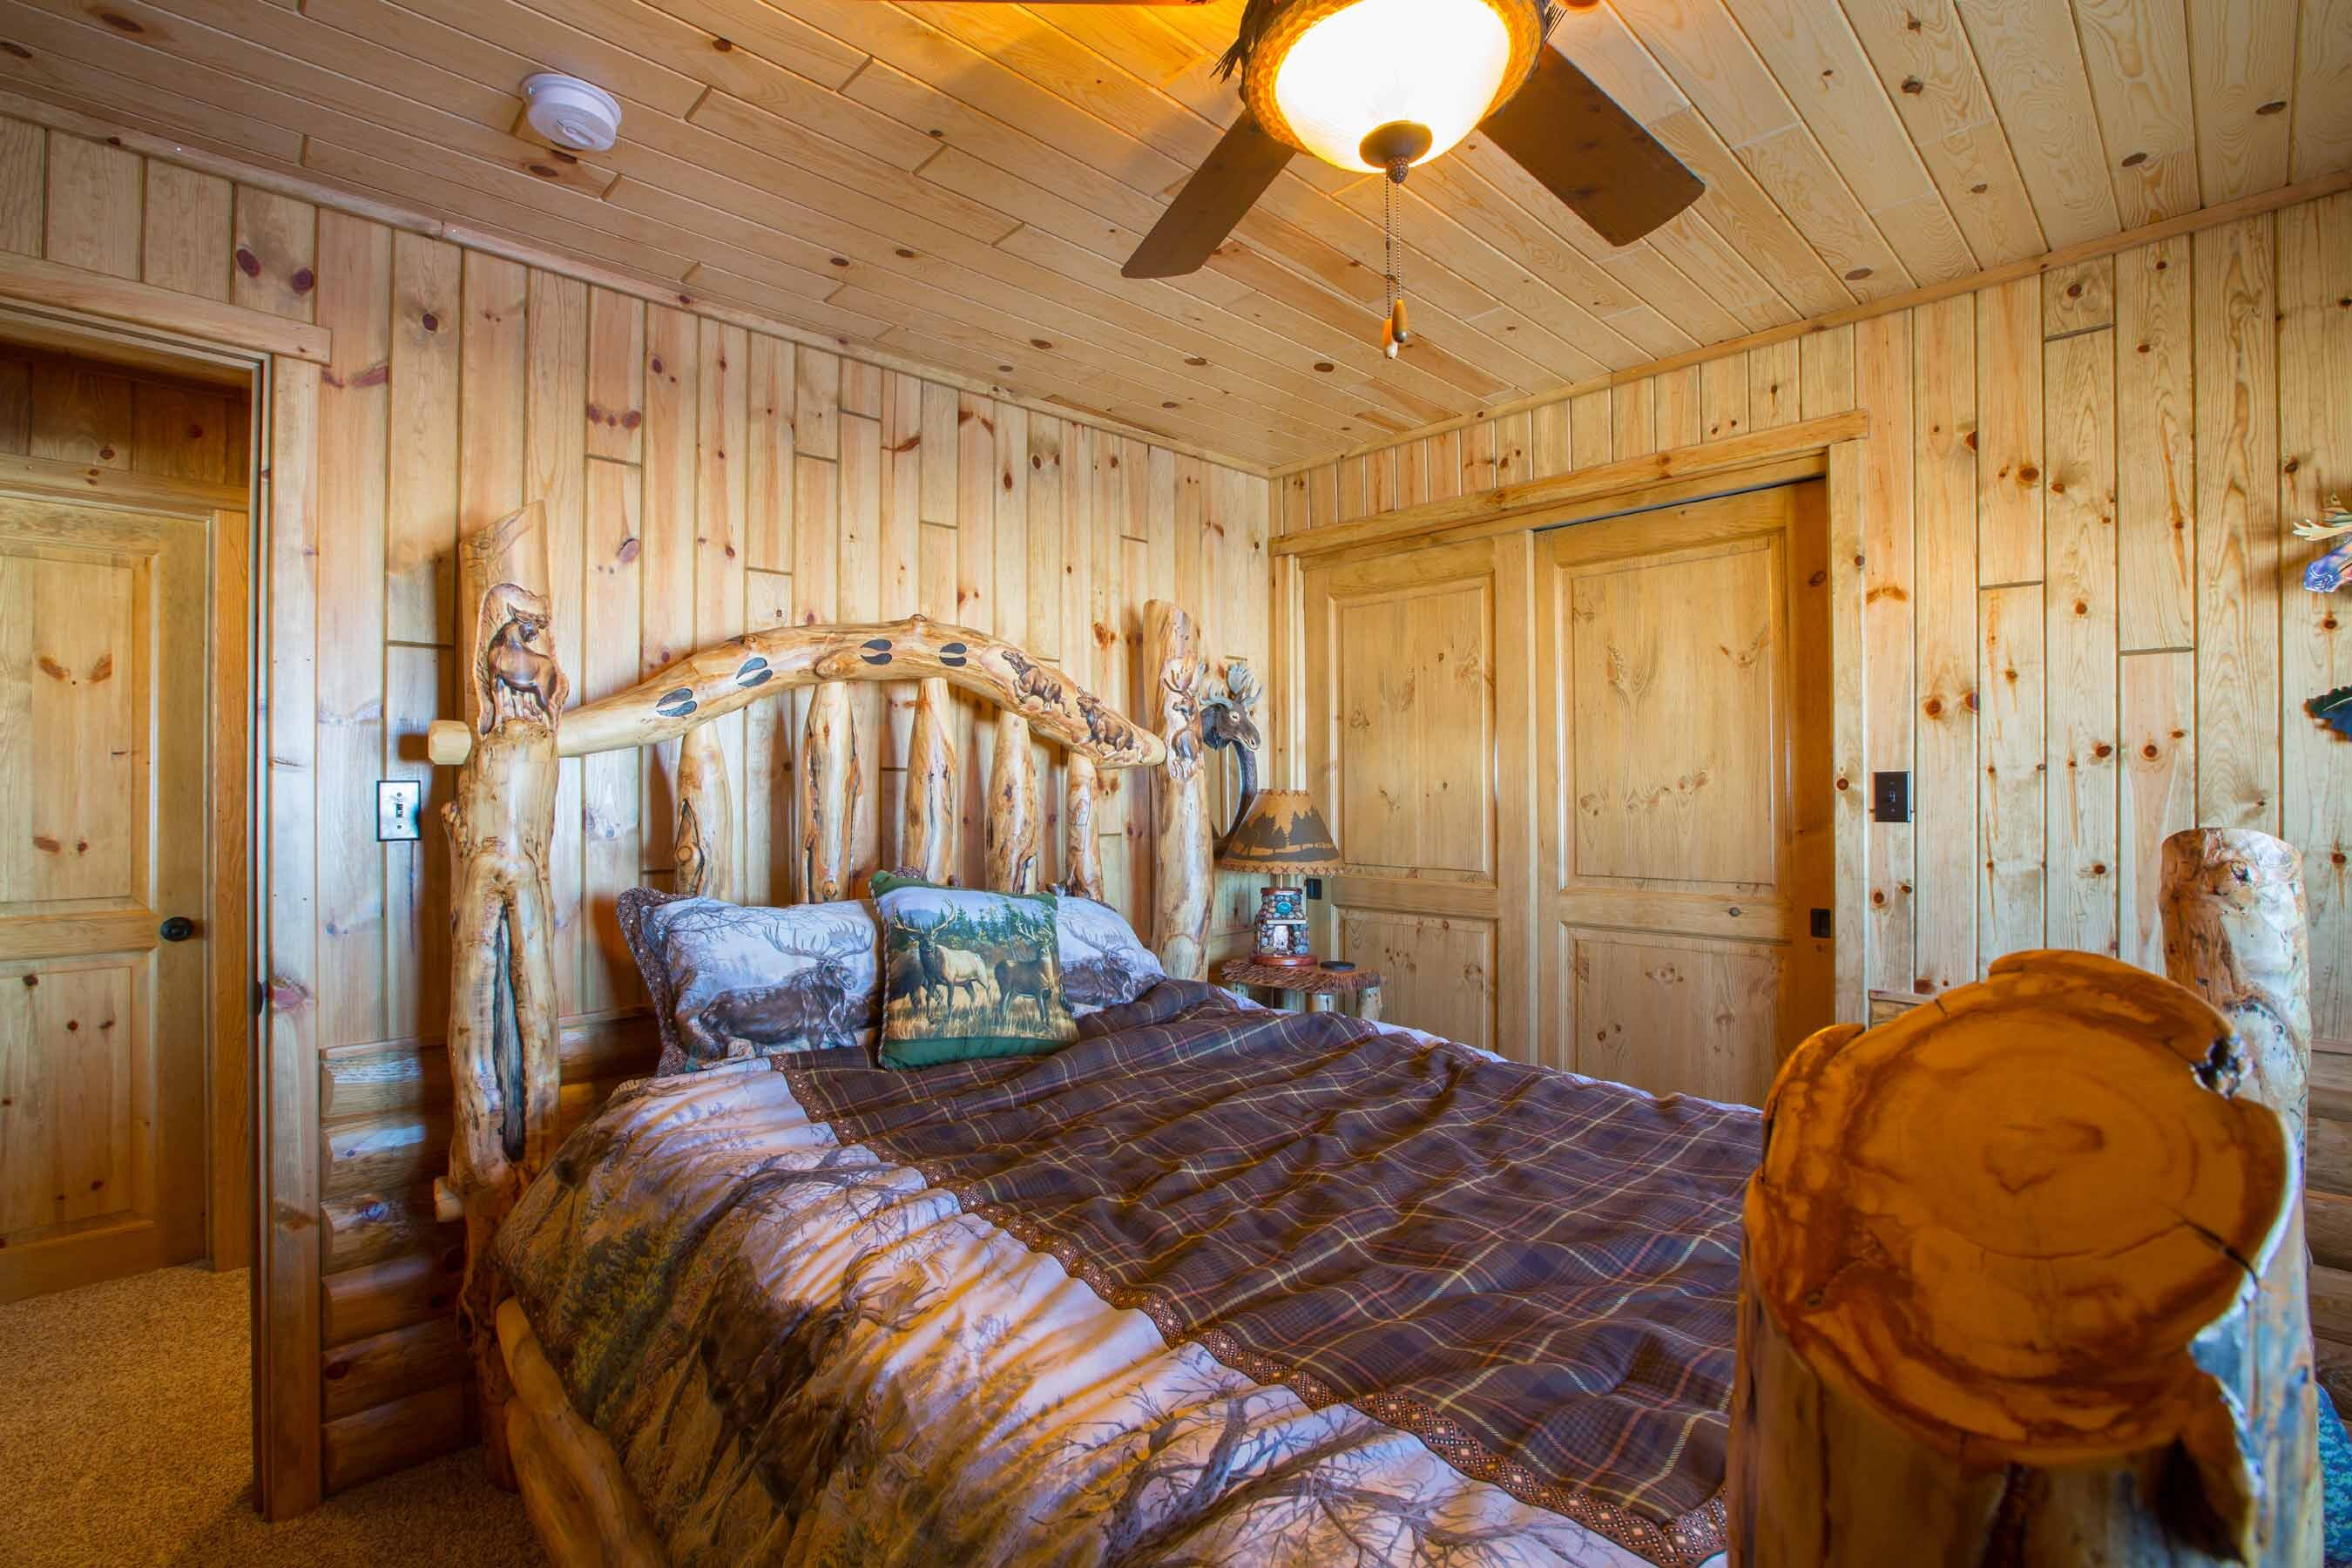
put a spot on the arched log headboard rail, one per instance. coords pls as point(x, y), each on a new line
point(744, 669)
point(515, 726)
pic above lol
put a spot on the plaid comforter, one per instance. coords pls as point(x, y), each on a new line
point(1532, 1273)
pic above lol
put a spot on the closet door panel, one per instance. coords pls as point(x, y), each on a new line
point(1670, 718)
point(1680, 857)
point(1438, 969)
point(1693, 1015)
point(1402, 657)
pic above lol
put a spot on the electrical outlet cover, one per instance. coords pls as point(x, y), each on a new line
point(397, 802)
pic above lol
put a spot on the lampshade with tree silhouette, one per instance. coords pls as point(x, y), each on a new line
point(1282, 836)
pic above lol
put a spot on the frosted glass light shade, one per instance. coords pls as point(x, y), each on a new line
point(1435, 63)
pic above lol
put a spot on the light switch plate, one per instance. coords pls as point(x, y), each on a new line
point(396, 805)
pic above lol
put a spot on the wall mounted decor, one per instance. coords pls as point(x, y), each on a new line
point(1227, 724)
point(2326, 573)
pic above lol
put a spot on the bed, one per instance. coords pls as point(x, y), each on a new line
point(1211, 1284)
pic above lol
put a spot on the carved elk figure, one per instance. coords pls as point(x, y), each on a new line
point(1033, 680)
point(1023, 977)
point(1226, 725)
point(948, 970)
point(514, 662)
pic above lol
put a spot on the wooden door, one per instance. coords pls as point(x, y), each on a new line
point(1416, 689)
point(1684, 782)
point(103, 805)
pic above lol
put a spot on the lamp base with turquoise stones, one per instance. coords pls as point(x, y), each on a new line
point(1282, 938)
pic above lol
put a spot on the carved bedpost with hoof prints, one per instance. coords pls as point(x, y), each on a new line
point(502, 998)
point(2003, 1289)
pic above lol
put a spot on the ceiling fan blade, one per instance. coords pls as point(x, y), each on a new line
point(1592, 155)
point(1216, 198)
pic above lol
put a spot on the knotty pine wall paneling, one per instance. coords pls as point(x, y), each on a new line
point(2084, 625)
point(700, 478)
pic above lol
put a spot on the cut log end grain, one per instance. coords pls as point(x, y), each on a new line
point(2023, 1282)
point(2003, 1218)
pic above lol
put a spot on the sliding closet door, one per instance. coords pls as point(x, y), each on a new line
point(1684, 791)
point(1417, 692)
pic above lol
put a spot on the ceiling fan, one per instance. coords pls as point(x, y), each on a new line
point(1379, 86)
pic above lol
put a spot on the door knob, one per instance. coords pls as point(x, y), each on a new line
point(179, 928)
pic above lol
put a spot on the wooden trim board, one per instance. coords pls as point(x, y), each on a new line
point(115, 486)
point(288, 1457)
point(1511, 506)
point(52, 284)
point(230, 1216)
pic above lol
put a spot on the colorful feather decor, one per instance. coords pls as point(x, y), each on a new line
point(2326, 573)
point(2333, 710)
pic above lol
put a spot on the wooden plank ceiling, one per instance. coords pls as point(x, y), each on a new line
point(959, 182)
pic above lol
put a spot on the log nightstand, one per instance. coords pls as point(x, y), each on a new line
point(1320, 987)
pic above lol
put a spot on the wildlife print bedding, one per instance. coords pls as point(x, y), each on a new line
point(1103, 962)
point(730, 981)
point(967, 974)
point(1213, 1284)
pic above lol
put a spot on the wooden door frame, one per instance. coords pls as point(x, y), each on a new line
point(144, 327)
point(1834, 448)
point(224, 514)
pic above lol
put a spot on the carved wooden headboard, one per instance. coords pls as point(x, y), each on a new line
point(515, 727)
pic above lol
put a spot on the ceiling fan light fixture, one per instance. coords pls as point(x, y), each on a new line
point(1329, 74)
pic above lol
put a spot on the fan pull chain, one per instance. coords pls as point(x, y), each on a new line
point(1394, 334)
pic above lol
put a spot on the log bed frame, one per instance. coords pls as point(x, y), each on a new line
point(514, 730)
point(2217, 1465)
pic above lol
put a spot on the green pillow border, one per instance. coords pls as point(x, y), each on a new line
point(907, 1054)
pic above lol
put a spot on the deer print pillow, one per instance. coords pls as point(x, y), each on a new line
point(1104, 963)
point(968, 974)
point(730, 981)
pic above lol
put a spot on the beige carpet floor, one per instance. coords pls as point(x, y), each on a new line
point(125, 1438)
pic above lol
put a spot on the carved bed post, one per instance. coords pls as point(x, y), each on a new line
point(833, 794)
point(502, 998)
point(927, 824)
point(1082, 870)
point(1180, 871)
point(1015, 830)
point(2235, 932)
point(705, 845)
point(1998, 1293)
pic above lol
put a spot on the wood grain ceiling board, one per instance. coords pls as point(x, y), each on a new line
point(962, 181)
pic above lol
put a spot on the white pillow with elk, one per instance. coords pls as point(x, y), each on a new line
point(1104, 963)
point(733, 980)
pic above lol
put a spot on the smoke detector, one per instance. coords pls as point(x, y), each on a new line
point(569, 112)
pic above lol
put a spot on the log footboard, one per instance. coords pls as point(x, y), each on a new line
point(581, 1503)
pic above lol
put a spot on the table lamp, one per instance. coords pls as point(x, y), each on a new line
point(1281, 835)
